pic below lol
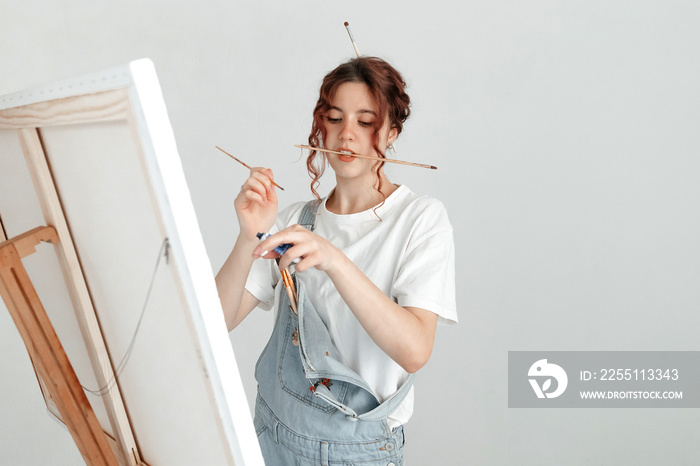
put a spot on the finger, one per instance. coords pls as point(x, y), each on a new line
point(302, 260)
point(265, 176)
point(268, 255)
point(271, 191)
point(269, 174)
point(294, 255)
point(304, 245)
point(255, 185)
point(286, 236)
point(252, 196)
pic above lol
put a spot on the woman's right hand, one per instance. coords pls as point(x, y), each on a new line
point(256, 204)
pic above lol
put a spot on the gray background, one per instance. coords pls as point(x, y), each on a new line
point(566, 136)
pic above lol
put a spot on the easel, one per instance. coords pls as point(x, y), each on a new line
point(90, 439)
point(45, 350)
point(103, 172)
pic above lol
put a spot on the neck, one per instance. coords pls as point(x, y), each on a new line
point(351, 196)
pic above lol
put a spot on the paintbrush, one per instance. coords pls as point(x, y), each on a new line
point(289, 286)
point(245, 165)
point(352, 39)
point(402, 162)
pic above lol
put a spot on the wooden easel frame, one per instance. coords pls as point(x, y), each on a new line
point(114, 96)
point(104, 107)
point(45, 350)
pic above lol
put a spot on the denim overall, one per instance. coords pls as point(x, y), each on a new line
point(311, 409)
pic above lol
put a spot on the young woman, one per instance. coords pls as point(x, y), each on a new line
point(374, 273)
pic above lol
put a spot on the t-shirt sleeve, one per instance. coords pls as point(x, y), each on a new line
point(261, 282)
point(426, 274)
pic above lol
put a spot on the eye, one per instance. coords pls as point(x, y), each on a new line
point(333, 120)
point(366, 124)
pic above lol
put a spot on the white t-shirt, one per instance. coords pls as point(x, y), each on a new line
point(408, 254)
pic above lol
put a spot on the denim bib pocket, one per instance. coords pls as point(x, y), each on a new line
point(292, 375)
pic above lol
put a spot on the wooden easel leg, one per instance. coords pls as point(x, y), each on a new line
point(46, 351)
point(85, 313)
point(3, 233)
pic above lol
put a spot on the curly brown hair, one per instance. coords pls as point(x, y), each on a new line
point(387, 89)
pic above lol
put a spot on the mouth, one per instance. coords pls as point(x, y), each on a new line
point(345, 155)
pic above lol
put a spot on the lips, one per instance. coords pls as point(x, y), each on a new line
point(345, 158)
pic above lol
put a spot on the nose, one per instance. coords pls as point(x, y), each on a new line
point(346, 132)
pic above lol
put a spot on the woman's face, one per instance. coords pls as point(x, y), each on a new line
point(349, 126)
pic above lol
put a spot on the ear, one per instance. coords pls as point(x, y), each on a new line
point(393, 134)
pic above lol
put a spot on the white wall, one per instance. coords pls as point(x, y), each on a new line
point(566, 136)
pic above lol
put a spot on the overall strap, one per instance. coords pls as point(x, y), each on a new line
point(307, 219)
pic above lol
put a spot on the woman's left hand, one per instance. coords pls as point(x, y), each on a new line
point(311, 249)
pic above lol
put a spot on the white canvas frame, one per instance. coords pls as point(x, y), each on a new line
point(75, 114)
